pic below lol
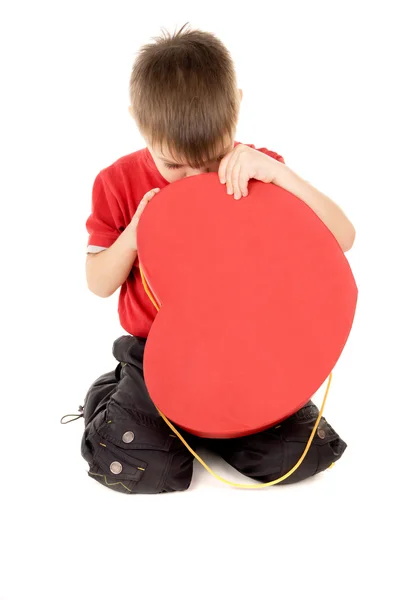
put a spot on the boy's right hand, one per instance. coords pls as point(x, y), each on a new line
point(140, 209)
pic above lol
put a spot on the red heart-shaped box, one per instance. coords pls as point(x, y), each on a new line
point(256, 304)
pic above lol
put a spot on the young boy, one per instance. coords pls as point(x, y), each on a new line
point(185, 102)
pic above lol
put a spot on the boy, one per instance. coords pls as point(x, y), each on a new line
point(185, 102)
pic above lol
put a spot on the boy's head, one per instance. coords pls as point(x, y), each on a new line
point(185, 102)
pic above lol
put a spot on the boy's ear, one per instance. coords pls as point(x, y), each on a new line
point(131, 111)
point(240, 93)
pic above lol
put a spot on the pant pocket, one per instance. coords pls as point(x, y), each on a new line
point(140, 451)
point(114, 469)
point(108, 464)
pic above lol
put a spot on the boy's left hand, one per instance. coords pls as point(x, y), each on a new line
point(242, 164)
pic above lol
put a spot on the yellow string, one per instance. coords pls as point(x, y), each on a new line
point(148, 291)
point(240, 485)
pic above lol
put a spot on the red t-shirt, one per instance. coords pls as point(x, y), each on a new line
point(117, 191)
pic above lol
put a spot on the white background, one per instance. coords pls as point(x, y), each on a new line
point(318, 81)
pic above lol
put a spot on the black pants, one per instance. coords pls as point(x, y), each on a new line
point(130, 449)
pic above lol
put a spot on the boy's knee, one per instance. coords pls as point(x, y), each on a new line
point(132, 453)
point(326, 448)
point(272, 453)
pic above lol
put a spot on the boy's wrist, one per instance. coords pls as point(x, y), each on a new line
point(129, 238)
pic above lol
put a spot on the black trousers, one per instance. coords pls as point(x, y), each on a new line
point(130, 449)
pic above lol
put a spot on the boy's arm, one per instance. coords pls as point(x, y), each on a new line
point(327, 210)
point(244, 163)
point(107, 270)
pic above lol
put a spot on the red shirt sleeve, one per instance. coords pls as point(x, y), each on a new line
point(105, 222)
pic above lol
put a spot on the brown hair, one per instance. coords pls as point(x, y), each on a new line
point(184, 94)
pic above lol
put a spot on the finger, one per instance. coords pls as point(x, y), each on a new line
point(236, 174)
point(243, 183)
point(144, 202)
point(229, 172)
point(149, 195)
point(222, 169)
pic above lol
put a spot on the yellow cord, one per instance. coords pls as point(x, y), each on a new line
point(240, 485)
point(148, 291)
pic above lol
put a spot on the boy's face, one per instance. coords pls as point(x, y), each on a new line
point(172, 170)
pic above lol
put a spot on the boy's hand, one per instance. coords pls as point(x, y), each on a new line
point(242, 164)
point(140, 209)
